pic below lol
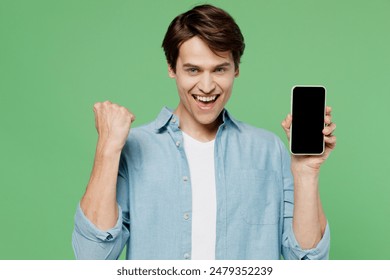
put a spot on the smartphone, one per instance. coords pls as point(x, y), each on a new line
point(308, 105)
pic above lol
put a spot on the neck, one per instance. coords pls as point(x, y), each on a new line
point(199, 131)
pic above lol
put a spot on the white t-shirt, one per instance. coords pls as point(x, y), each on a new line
point(200, 157)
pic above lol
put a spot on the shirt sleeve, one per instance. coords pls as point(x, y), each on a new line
point(292, 250)
point(91, 243)
point(290, 247)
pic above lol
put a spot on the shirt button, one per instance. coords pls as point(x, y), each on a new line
point(185, 178)
point(186, 256)
point(173, 120)
point(109, 236)
point(186, 216)
point(177, 143)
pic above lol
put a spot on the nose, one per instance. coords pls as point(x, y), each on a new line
point(206, 83)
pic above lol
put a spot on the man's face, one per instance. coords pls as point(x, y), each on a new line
point(204, 81)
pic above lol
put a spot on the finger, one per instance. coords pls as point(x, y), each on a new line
point(128, 113)
point(330, 141)
point(132, 116)
point(328, 119)
point(96, 106)
point(329, 129)
point(328, 115)
point(286, 123)
point(289, 119)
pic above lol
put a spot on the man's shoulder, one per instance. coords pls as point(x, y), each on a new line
point(256, 143)
point(251, 131)
point(142, 137)
point(145, 130)
point(249, 128)
point(151, 131)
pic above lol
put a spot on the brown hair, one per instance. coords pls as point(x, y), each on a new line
point(211, 24)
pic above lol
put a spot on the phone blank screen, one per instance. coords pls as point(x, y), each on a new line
point(308, 111)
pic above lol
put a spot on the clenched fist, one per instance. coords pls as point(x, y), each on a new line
point(112, 123)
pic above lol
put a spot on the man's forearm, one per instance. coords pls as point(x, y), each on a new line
point(99, 201)
point(99, 204)
point(309, 220)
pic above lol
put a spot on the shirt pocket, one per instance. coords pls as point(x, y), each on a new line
point(260, 196)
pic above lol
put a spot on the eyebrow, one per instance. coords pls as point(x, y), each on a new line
point(189, 65)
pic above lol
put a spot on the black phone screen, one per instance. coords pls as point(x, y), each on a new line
point(308, 112)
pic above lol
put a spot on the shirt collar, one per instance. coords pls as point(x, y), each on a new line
point(166, 115)
point(163, 118)
point(228, 120)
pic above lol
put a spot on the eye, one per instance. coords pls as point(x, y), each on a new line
point(220, 70)
point(192, 70)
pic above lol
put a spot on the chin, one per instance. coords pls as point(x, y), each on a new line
point(207, 120)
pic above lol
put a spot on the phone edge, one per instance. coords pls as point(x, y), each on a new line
point(291, 99)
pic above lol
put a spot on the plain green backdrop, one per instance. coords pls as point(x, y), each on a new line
point(59, 57)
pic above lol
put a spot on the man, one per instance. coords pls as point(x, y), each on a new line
point(196, 183)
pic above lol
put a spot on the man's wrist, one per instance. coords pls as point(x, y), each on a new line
point(108, 148)
point(303, 170)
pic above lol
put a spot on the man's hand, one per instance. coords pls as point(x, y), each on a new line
point(112, 123)
point(313, 162)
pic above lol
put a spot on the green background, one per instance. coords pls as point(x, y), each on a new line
point(59, 57)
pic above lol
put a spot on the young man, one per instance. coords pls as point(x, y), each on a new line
point(196, 183)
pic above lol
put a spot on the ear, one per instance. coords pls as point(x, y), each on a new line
point(237, 72)
point(171, 72)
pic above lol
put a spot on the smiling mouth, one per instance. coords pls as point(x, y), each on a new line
point(205, 99)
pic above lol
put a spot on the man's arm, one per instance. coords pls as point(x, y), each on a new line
point(99, 201)
point(101, 229)
point(309, 220)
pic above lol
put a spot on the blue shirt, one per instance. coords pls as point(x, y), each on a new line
point(255, 198)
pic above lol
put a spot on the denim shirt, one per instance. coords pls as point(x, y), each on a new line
point(254, 189)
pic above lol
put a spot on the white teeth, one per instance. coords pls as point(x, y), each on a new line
point(206, 98)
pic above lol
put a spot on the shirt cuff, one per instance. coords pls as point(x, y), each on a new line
point(320, 252)
point(88, 230)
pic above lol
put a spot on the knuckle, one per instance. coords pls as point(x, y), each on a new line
point(131, 118)
point(97, 106)
point(107, 103)
point(331, 139)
